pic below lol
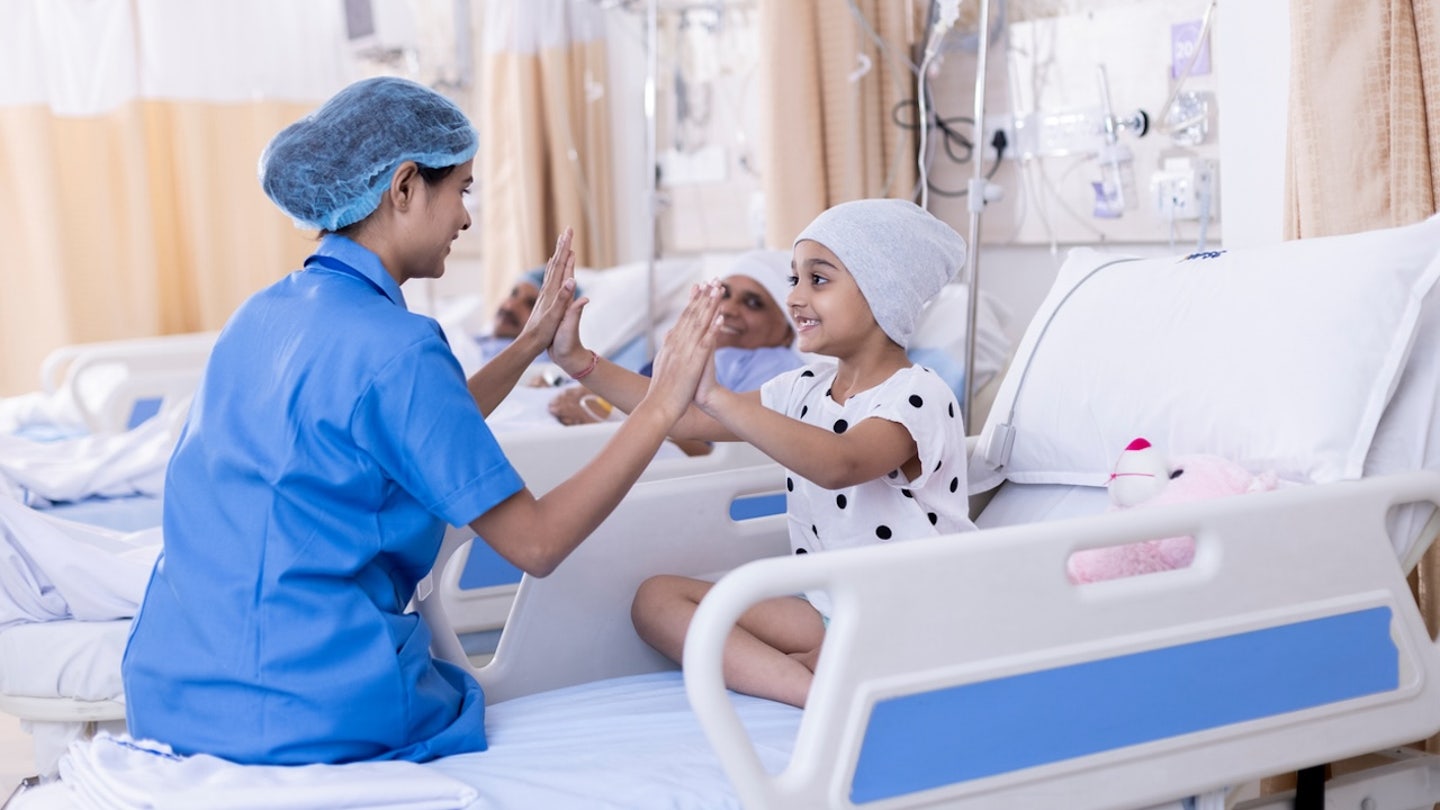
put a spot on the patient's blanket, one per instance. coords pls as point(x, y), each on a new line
point(40, 473)
point(52, 568)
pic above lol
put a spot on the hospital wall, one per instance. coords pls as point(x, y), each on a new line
point(716, 205)
point(1248, 55)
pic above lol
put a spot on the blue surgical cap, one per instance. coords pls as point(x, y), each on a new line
point(329, 169)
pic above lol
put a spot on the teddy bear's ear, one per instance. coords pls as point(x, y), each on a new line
point(1141, 472)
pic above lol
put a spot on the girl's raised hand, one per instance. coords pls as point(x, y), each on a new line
point(556, 291)
point(687, 355)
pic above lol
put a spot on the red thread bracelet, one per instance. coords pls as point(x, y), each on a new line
point(594, 361)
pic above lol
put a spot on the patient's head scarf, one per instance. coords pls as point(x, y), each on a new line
point(899, 254)
point(330, 169)
point(769, 267)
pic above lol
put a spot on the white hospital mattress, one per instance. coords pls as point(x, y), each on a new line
point(64, 659)
point(622, 744)
point(1014, 504)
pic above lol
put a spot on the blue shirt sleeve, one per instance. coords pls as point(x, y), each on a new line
point(420, 424)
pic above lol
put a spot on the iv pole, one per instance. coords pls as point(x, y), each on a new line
point(652, 191)
point(979, 192)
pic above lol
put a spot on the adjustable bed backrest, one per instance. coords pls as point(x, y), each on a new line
point(1317, 359)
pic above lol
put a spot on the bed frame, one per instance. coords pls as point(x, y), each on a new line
point(1292, 640)
point(117, 382)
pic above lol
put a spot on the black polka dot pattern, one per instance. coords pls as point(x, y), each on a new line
point(804, 409)
point(916, 401)
point(954, 484)
point(807, 373)
point(789, 484)
point(801, 551)
point(951, 408)
point(934, 518)
point(840, 500)
point(841, 425)
point(894, 473)
point(907, 493)
point(882, 532)
point(814, 530)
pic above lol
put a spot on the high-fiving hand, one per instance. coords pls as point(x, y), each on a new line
point(687, 358)
point(554, 300)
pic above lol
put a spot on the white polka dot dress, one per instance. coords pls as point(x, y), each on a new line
point(888, 508)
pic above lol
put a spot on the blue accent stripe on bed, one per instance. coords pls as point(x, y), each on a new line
point(927, 740)
point(749, 507)
point(484, 568)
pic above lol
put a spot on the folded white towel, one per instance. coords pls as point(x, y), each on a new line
point(116, 772)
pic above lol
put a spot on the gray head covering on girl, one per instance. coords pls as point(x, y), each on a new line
point(898, 253)
point(329, 169)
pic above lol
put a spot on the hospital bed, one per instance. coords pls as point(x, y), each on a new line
point(967, 671)
point(1292, 639)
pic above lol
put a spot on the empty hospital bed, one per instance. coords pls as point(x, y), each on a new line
point(967, 671)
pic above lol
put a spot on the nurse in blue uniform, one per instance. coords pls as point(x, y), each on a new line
point(332, 438)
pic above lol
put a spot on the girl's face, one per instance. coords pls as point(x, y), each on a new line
point(831, 315)
point(751, 319)
point(441, 216)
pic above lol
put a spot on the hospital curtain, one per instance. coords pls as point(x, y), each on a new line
point(128, 151)
point(544, 137)
point(827, 99)
point(146, 220)
point(1364, 115)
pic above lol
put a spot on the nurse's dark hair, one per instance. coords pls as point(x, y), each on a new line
point(432, 175)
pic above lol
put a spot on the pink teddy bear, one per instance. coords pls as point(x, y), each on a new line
point(1143, 476)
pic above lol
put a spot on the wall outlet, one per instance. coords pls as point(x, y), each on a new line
point(999, 122)
point(1184, 189)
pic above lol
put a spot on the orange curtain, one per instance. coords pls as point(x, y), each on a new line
point(1364, 129)
point(545, 137)
point(144, 220)
point(829, 136)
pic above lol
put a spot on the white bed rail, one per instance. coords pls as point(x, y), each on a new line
point(108, 378)
point(574, 625)
point(544, 458)
point(932, 690)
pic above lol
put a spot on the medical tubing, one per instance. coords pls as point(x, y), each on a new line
point(1045, 327)
point(1189, 66)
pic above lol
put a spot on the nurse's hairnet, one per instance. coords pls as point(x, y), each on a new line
point(329, 169)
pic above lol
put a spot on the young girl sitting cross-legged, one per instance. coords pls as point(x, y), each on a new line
point(874, 446)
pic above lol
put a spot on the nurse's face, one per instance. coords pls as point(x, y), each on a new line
point(442, 216)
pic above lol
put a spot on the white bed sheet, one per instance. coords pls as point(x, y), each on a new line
point(1014, 504)
point(629, 743)
point(63, 659)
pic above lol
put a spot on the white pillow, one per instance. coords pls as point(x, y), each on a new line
point(1280, 358)
point(617, 313)
point(945, 323)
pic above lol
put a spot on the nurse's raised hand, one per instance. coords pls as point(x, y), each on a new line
point(556, 293)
